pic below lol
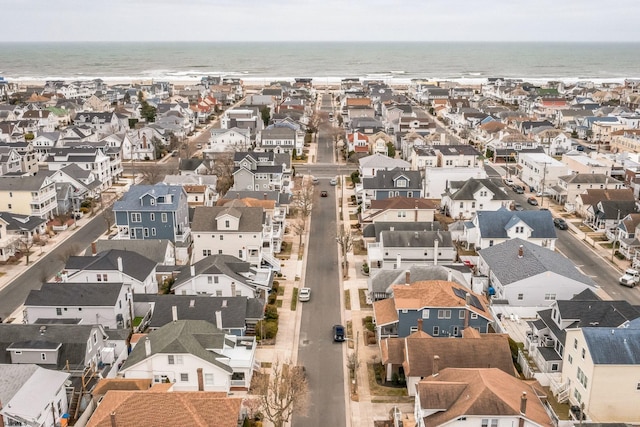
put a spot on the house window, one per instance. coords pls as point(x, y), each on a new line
point(163, 217)
point(152, 216)
point(153, 231)
point(638, 386)
point(219, 251)
point(461, 314)
point(490, 242)
point(208, 379)
point(184, 377)
point(575, 343)
point(218, 292)
point(206, 252)
point(209, 280)
point(221, 237)
point(136, 217)
point(425, 314)
point(58, 312)
point(171, 359)
point(520, 297)
point(226, 224)
point(461, 205)
point(179, 360)
point(95, 337)
point(473, 205)
point(152, 202)
point(43, 356)
point(444, 314)
point(455, 331)
point(436, 331)
point(549, 297)
point(239, 253)
point(146, 232)
point(519, 229)
point(570, 359)
point(413, 329)
point(554, 367)
point(583, 353)
point(402, 214)
point(9, 206)
point(577, 395)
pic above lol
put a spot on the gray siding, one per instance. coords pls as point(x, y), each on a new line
point(446, 327)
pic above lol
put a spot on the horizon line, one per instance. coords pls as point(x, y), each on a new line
point(324, 41)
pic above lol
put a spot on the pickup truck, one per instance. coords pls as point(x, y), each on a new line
point(630, 278)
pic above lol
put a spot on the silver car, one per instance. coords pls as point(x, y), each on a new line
point(304, 294)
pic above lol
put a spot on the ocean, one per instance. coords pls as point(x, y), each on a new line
point(325, 62)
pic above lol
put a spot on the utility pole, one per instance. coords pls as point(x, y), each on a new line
point(544, 179)
point(615, 236)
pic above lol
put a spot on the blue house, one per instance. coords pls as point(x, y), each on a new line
point(152, 212)
point(391, 183)
point(445, 309)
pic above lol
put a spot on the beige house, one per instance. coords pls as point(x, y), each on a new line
point(399, 209)
point(602, 371)
point(603, 131)
point(569, 186)
point(584, 164)
point(627, 140)
point(28, 195)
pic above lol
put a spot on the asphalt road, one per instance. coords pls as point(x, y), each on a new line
point(15, 293)
point(322, 358)
point(587, 260)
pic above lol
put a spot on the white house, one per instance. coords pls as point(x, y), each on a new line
point(113, 266)
point(223, 276)
point(186, 352)
point(107, 304)
point(32, 396)
point(234, 139)
point(437, 179)
point(464, 198)
point(527, 275)
point(540, 171)
point(370, 165)
point(489, 228)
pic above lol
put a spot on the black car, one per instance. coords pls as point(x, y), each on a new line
point(324, 194)
point(338, 333)
point(560, 223)
point(518, 189)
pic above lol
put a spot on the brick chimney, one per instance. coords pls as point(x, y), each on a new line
point(420, 324)
point(112, 418)
point(200, 380)
point(520, 251)
point(436, 365)
point(94, 249)
point(407, 277)
point(523, 403)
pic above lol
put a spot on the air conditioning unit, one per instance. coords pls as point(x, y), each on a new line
point(548, 341)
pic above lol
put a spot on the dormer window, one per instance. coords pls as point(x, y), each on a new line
point(401, 183)
point(152, 201)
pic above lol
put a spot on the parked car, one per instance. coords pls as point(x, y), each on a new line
point(304, 294)
point(532, 201)
point(333, 181)
point(509, 182)
point(323, 193)
point(517, 207)
point(518, 189)
point(560, 223)
point(314, 180)
point(338, 333)
point(198, 145)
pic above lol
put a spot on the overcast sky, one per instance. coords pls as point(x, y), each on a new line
point(322, 20)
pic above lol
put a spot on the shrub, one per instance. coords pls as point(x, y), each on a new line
point(267, 329)
point(394, 378)
point(271, 312)
point(273, 296)
point(368, 323)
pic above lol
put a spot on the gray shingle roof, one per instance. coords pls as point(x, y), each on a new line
point(504, 263)
point(374, 229)
point(251, 218)
point(589, 178)
point(22, 183)
point(196, 337)
point(494, 224)
point(75, 294)
point(218, 264)
point(235, 310)
point(385, 179)
point(17, 222)
point(72, 337)
point(130, 201)
point(133, 264)
point(470, 187)
point(416, 239)
point(155, 251)
point(609, 346)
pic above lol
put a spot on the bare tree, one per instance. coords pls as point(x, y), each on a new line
point(223, 169)
point(299, 228)
point(107, 215)
point(67, 252)
point(154, 173)
point(25, 243)
point(303, 200)
point(282, 393)
point(345, 240)
point(353, 363)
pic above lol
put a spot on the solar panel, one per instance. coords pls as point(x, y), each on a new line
point(473, 300)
